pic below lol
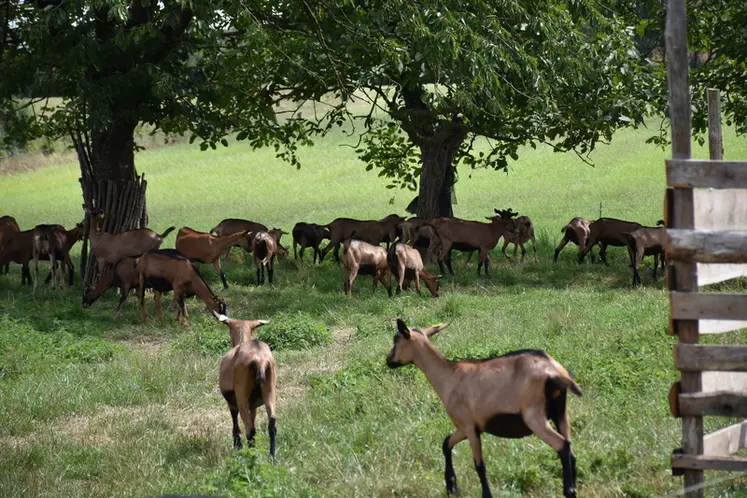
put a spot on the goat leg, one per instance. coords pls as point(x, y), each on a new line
point(560, 247)
point(230, 398)
point(568, 461)
point(449, 475)
point(476, 444)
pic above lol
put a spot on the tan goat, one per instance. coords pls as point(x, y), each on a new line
point(265, 248)
point(49, 242)
point(366, 259)
point(646, 241)
point(511, 396)
point(201, 247)
point(524, 232)
point(576, 231)
point(247, 380)
point(405, 263)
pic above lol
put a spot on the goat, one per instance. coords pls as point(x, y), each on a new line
point(524, 232)
point(367, 259)
point(608, 232)
point(165, 270)
point(108, 248)
point(576, 231)
point(201, 247)
point(69, 239)
point(470, 236)
point(124, 275)
point(247, 380)
point(309, 235)
point(646, 241)
point(417, 233)
point(8, 227)
point(48, 241)
point(19, 248)
point(230, 226)
point(510, 396)
point(370, 231)
point(265, 247)
point(405, 262)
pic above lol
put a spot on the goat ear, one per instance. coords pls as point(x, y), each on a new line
point(434, 329)
point(402, 329)
point(259, 323)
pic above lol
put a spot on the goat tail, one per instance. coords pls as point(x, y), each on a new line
point(166, 232)
point(260, 372)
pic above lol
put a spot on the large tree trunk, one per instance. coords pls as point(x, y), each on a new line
point(436, 176)
point(110, 183)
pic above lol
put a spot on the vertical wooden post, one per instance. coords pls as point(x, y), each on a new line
point(685, 275)
point(715, 139)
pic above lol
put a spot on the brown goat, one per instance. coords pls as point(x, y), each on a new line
point(265, 247)
point(124, 275)
point(511, 396)
point(405, 262)
point(201, 247)
point(373, 232)
point(367, 259)
point(8, 227)
point(608, 232)
point(247, 380)
point(576, 231)
point(47, 241)
point(165, 270)
point(62, 240)
point(19, 248)
point(230, 226)
point(69, 239)
point(646, 241)
point(309, 235)
point(108, 248)
point(524, 232)
point(470, 236)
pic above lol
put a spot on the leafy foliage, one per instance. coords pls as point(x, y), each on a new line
point(297, 330)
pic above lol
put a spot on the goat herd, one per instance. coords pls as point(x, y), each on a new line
point(512, 396)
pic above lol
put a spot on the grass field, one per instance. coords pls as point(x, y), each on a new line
point(91, 405)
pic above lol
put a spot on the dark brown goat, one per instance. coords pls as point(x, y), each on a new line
point(125, 276)
point(69, 239)
point(470, 236)
point(309, 235)
point(166, 270)
point(370, 231)
point(230, 226)
point(608, 232)
point(19, 249)
point(646, 241)
point(201, 247)
point(8, 227)
point(47, 241)
point(576, 231)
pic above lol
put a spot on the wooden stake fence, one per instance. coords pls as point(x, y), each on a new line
point(712, 379)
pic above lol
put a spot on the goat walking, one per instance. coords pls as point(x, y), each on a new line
point(511, 396)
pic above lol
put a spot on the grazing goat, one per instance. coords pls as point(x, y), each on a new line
point(47, 241)
point(524, 232)
point(19, 248)
point(309, 235)
point(608, 232)
point(8, 227)
point(265, 247)
point(247, 380)
point(405, 263)
point(576, 231)
point(124, 275)
point(646, 241)
point(108, 248)
point(201, 247)
point(373, 232)
point(165, 270)
point(511, 396)
point(470, 236)
point(367, 259)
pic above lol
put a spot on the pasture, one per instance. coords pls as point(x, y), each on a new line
point(92, 405)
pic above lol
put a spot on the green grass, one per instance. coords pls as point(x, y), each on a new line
point(91, 405)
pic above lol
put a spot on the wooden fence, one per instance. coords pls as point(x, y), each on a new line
point(705, 230)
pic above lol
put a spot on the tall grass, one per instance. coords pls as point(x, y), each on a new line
point(98, 406)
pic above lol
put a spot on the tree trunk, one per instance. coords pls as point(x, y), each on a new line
point(111, 184)
point(436, 177)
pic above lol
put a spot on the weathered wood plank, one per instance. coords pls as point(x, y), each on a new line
point(703, 173)
point(706, 246)
point(710, 462)
point(699, 357)
point(721, 326)
point(700, 305)
point(735, 382)
point(720, 403)
point(715, 138)
point(726, 441)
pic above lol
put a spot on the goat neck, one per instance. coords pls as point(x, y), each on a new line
point(433, 364)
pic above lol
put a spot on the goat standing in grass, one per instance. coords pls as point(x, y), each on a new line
point(405, 263)
point(646, 241)
point(366, 259)
point(265, 248)
point(8, 227)
point(510, 396)
point(201, 247)
point(48, 242)
point(576, 231)
point(123, 275)
point(524, 232)
point(247, 380)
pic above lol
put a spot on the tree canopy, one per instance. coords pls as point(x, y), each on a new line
point(439, 75)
